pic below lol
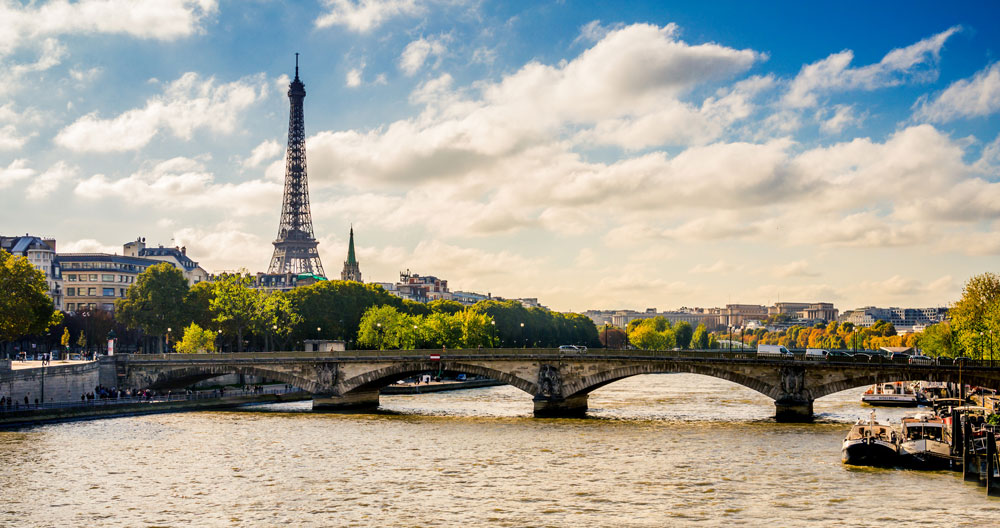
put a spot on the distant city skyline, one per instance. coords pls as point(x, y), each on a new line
point(593, 156)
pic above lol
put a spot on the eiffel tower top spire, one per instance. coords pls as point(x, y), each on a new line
point(295, 247)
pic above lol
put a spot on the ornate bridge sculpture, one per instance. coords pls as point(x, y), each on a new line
point(559, 383)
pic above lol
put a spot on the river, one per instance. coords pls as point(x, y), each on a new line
point(656, 450)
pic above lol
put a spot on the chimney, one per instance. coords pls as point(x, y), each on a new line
point(184, 250)
point(51, 242)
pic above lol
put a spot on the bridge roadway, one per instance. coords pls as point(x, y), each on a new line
point(559, 382)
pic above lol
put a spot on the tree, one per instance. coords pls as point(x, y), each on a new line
point(445, 306)
point(274, 316)
point(443, 330)
point(155, 302)
point(196, 340)
point(476, 329)
point(384, 327)
point(81, 340)
point(64, 340)
point(25, 306)
point(683, 333)
point(699, 339)
point(235, 305)
point(198, 304)
point(939, 340)
point(336, 308)
point(971, 317)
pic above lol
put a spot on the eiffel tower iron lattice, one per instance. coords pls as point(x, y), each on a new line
point(295, 248)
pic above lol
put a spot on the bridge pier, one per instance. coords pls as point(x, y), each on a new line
point(352, 401)
point(573, 407)
point(793, 410)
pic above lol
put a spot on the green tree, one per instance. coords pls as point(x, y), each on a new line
point(699, 339)
point(196, 340)
point(155, 302)
point(445, 306)
point(198, 304)
point(25, 306)
point(476, 328)
point(939, 340)
point(971, 317)
point(64, 340)
point(235, 305)
point(384, 327)
point(443, 330)
point(683, 333)
point(274, 317)
point(336, 308)
point(81, 340)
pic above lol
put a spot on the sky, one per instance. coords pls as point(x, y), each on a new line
point(594, 155)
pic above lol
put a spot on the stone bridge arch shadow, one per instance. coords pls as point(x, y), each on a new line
point(181, 377)
point(584, 386)
point(865, 379)
point(361, 391)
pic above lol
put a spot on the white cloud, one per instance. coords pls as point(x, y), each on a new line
point(417, 52)
point(353, 78)
point(266, 151)
point(159, 20)
point(364, 15)
point(965, 98)
point(49, 181)
point(225, 247)
point(87, 245)
point(719, 267)
point(17, 170)
point(917, 62)
point(183, 183)
point(187, 104)
point(843, 116)
point(10, 139)
point(13, 74)
point(798, 268)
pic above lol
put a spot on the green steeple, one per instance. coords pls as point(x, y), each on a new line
point(351, 260)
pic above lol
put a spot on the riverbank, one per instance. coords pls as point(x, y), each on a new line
point(439, 386)
point(111, 409)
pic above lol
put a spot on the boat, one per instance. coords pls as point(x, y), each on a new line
point(895, 394)
point(871, 443)
point(926, 441)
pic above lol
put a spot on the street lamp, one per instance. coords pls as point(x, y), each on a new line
point(274, 338)
point(379, 325)
point(414, 337)
point(523, 344)
point(493, 336)
point(167, 337)
point(220, 341)
point(606, 344)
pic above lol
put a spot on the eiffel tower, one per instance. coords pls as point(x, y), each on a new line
point(295, 248)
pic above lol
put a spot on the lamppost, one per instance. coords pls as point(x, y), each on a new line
point(493, 335)
point(220, 341)
point(274, 337)
point(523, 344)
point(606, 344)
point(167, 337)
point(379, 330)
point(414, 337)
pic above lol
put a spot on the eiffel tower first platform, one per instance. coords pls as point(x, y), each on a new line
point(295, 248)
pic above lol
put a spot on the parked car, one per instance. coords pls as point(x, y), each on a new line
point(897, 357)
point(836, 355)
point(918, 359)
point(945, 361)
point(572, 349)
point(773, 351)
point(817, 354)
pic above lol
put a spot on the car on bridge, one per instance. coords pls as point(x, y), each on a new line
point(572, 349)
point(837, 355)
point(817, 354)
point(919, 359)
point(773, 351)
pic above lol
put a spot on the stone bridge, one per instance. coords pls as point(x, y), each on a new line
point(558, 382)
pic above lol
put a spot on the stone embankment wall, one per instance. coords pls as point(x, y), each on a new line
point(61, 383)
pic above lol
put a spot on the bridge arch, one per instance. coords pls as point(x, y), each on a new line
point(385, 376)
point(588, 384)
point(179, 377)
point(863, 379)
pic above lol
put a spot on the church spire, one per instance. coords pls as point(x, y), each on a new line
point(351, 270)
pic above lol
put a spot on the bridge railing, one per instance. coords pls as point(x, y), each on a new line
point(706, 354)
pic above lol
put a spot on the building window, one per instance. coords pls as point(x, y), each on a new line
point(70, 306)
point(91, 292)
point(108, 292)
point(93, 277)
point(121, 292)
point(70, 291)
point(107, 307)
point(107, 278)
point(71, 278)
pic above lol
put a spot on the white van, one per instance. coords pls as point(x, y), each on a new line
point(817, 354)
point(773, 351)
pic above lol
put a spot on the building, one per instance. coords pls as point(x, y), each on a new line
point(283, 281)
point(418, 288)
point(41, 253)
point(351, 271)
point(904, 319)
point(470, 298)
point(738, 315)
point(621, 318)
point(97, 280)
point(175, 255)
point(808, 311)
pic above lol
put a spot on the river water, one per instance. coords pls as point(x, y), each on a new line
point(656, 450)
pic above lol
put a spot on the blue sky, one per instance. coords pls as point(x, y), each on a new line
point(594, 155)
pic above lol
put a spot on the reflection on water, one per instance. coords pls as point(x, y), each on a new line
point(656, 450)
